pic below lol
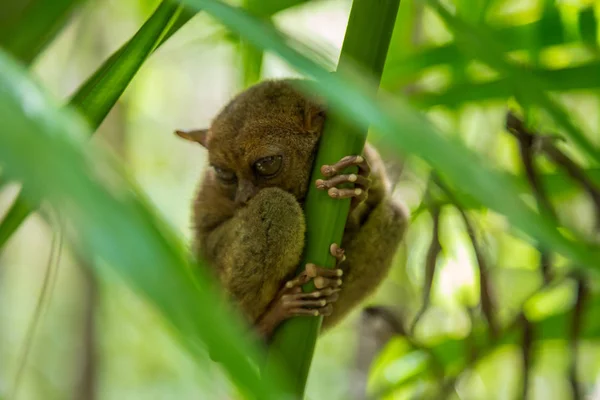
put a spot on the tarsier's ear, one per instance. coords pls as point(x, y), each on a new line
point(200, 135)
point(314, 118)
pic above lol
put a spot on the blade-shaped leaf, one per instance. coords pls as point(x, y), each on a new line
point(405, 130)
point(100, 92)
point(588, 26)
point(573, 78)
point(526, 86)
point(514, 37)
point(98, 95)
point(267, 8)
point(112, 221)
point(27, 26)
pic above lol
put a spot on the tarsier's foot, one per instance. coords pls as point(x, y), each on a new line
point(291, 301)
point(360, 180)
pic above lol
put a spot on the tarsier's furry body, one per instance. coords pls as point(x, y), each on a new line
point(250, 228)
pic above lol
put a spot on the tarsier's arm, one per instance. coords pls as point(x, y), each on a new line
point(256, 249)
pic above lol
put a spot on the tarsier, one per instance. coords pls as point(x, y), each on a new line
point(248, 213)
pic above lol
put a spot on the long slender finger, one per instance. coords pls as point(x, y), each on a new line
point(313, 271)
point(304, 311)
point(337, 252)
point(359, 181)
point(324, 311)
point(363, 167)
point(321, 282)
point(325, 292)
point(336, 193)
point(307, 303)
point(298, 281)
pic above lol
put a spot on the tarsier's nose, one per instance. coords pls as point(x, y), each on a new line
point(245, 191)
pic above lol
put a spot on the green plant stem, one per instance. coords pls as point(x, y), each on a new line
point(100, 92)
point(366, 44)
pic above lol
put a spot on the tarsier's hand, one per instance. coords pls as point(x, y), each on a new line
point(291, 301)
point(361, 180)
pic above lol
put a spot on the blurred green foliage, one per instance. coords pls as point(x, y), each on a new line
point(452, 72)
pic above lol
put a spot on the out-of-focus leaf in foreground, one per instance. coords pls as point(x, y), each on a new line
point(43, 147)
point(27, 26)
point(405, 130)
point(100, 92)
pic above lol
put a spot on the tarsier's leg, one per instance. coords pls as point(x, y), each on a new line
point(291, 301)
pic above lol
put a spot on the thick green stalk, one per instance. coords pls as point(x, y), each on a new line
point(100, 92)
point(366, 44)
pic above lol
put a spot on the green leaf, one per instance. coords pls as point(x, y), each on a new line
point(404, 130)
point(582, 77)
point(13, 218)
point(46, 149)
point(100, 92)
point(267, 8)
point(527, 87)
point(514, 37)
point(366, 44)
point(27, 26)
point(588, 26)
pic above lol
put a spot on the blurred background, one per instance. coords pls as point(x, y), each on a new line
point(97, 340)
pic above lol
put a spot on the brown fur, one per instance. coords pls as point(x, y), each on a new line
point(256, 246)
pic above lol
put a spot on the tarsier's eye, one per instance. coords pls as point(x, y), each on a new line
point(225, 175)
point(268, 166)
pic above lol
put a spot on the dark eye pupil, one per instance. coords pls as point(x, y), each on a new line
point(268, 166)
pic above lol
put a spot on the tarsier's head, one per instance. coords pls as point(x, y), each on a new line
point(265, 137)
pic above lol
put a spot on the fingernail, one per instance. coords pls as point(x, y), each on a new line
point(352, 178)
point(357, 192)
point(359, 159)
point(320, 183)
point(339, 282)
point(333, 192)
point(316, 313)
point(323, 302)
point(316, 294)
point(289, 284)
point(340, 272)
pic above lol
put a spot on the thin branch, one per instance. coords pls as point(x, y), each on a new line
point(526, 353)
point(574, 337)
point(527, 147)
point(430, 262)
point(546, 145)
point(487, 304)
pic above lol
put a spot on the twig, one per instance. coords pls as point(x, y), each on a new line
point(430, 262)
point(527, 147)
point(574, 337)
point(526, 353)
point(545, 144)
point(487, 304)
